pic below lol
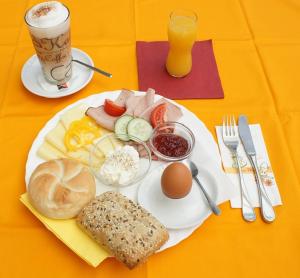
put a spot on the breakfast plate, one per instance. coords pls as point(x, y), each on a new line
point(205, 145)
point(181, 213)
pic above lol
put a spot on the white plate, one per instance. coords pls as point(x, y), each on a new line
point(205, 143)
point(177, 213)
point(34, 82)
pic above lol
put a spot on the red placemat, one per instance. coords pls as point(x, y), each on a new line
point(202, 82)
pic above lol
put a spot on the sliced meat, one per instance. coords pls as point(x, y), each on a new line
point(131, 104)
point(145, 102)
point(123, 96)
point(101, 117)
point(173, 111)
point(141, 106)
point(141, 150)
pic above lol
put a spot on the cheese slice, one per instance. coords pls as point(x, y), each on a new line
point(72, 115)
point(54, 146)
point(48, 152)
point(96, 151)
point(105, 146)
point(56, 137)
point(116, 142)
point(83, 156)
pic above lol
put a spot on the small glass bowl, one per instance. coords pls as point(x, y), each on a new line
point(111, 142)
point(177, 129)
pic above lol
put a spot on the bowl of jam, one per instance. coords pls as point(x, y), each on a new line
point(172, 141)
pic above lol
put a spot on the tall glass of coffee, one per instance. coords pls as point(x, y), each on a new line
point(49, 27)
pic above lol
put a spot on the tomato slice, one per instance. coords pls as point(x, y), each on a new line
point(113, 109)
point(158, 114)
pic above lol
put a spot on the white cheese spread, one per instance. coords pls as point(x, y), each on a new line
point(120, 166)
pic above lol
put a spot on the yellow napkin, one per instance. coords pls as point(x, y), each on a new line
point(71, 235)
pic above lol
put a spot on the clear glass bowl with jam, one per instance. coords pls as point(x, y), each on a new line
point(172, 141)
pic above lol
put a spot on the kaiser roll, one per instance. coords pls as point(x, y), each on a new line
point(60, 188)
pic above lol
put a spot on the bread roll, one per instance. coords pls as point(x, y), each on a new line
point(60, 188)
point(123, 227)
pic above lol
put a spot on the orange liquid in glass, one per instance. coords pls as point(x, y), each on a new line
point(182, 33)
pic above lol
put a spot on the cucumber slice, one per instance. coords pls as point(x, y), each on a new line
point(139, 128)
point(121, 127)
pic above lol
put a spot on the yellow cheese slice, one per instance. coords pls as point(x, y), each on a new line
point(105, 146)
point(96, 151)
point(54, 146)
point(83, 156)
point(48, 152)
point(56, 137)
point(115, 142)
point(72, 115)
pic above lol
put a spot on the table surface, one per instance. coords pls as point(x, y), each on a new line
point(257, 48)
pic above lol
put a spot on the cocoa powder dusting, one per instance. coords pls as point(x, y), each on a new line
point(42, 11)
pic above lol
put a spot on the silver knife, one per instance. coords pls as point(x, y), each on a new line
point(267, 210)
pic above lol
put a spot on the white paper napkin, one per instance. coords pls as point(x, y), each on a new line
point(264, 165)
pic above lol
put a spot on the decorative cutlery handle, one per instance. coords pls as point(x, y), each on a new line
point(267, 211)
point(211, 203)
point(247, 209)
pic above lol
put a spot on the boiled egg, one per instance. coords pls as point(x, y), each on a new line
point(176, 180)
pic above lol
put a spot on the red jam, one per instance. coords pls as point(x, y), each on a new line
point(171, 144)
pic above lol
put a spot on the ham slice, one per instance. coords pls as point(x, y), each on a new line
point(131, 103)
point(141, 150)
point(146, 101)
point(101, 117)
point(138, 106)
point(123, 96)
point(173, 113)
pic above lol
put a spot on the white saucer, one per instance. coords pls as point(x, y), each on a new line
point(177, 213)
point(34, 81)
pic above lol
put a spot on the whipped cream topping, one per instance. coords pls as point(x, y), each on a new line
point(47, 14)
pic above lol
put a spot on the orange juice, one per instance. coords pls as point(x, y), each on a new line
point(182, 33)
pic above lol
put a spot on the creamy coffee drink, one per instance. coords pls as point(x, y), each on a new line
point(49, 27)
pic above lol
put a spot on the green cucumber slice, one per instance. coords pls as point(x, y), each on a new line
point(121, 127)
point(140, 129)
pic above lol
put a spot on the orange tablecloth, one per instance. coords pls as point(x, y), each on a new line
point(257, 47)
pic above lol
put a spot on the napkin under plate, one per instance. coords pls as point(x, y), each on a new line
point(71, 235)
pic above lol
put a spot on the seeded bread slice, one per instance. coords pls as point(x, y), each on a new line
point(123, 227)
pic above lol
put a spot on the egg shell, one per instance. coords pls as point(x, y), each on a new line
point(176, 180)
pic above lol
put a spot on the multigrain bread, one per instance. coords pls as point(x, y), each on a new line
point(123, 227)
point(60, 188)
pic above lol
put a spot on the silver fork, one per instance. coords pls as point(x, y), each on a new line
point(230, 137)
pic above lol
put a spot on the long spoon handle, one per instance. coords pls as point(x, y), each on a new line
point(93, 68)
point(211, 203)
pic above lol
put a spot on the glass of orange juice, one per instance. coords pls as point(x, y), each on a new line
point(182, 33)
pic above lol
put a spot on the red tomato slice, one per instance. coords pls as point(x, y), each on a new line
point(158, 114)
point(113, 109)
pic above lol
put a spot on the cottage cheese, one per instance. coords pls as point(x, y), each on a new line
point(120, 166)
